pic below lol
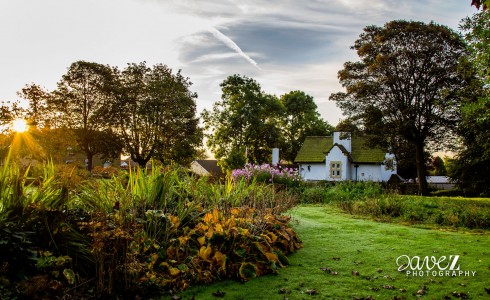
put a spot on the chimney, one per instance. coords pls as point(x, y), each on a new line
point(275, 156)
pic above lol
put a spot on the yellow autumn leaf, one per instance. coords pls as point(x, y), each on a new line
point(205, 252)
point(219, 228)
point(174, 271)
point(210, 232)
point(272, 236)
point(175, 221)
point(208, 217)
point(271, 256)
point(218, 256)
point(230, 222)
point(183, 240)
point(220, 259)
point(244, 231)
point(267, 238)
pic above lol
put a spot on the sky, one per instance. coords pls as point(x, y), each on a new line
point(284, 45)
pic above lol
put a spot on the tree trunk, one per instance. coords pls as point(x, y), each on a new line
point(90, 161)
point(140, 161)
point(420, 160)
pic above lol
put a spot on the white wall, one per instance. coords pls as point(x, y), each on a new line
point(366, 173)
point(386, 169)
point(336, 154)
point(316, 171)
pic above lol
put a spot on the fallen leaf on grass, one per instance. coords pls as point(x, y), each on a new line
point(388, 287)
point(336, 258)
point(335, 273)
point(355, 273)
point(328, 270)
point(219, 294)
point(379, 270)
point(374, 289)
point(460, 295)
point(403, 290)
point(311, 292)
point(284, 291)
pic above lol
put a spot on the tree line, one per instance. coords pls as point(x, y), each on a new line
point(149, 112)
point(417, 87)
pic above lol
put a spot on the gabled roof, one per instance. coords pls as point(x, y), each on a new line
point(211, 166)
point(342, 148)
point(314, 149)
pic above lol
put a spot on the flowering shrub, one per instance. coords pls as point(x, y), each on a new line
point(268, 174)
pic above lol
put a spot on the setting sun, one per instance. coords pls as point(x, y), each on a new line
point(19, 125)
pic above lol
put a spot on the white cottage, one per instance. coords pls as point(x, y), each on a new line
point(343, 156)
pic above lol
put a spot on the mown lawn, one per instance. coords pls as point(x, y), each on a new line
point(348, 258)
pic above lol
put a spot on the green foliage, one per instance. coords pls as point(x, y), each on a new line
point(339, 192)
point(457, 212)
point(39, 236)
point(245, 118)
point(475, 120)
point(405, 84)
point(437, 167)
point(155, 114)
point(81, 103)
point(300, 119)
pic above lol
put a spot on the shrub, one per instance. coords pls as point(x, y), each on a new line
point(268, 174)
point(136, 233)
point(457, 212)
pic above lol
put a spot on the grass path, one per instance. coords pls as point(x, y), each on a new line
point(358, 258)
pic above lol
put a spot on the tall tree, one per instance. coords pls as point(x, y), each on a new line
point(244, 123)
point(81, 103)
point(475, 121)
point(37, 97)
point(408, 74)
point(300, 119)
point(155, 115)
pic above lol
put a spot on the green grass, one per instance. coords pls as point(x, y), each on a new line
point(369, 248)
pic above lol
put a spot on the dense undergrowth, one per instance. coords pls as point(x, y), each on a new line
point(137, 234)
point(372, 199)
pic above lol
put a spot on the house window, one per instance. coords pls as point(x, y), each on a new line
point(336, 169)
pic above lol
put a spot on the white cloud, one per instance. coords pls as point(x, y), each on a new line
point(299, 44)
point(233, 46)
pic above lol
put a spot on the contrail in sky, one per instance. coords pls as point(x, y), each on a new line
point(231, 44)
